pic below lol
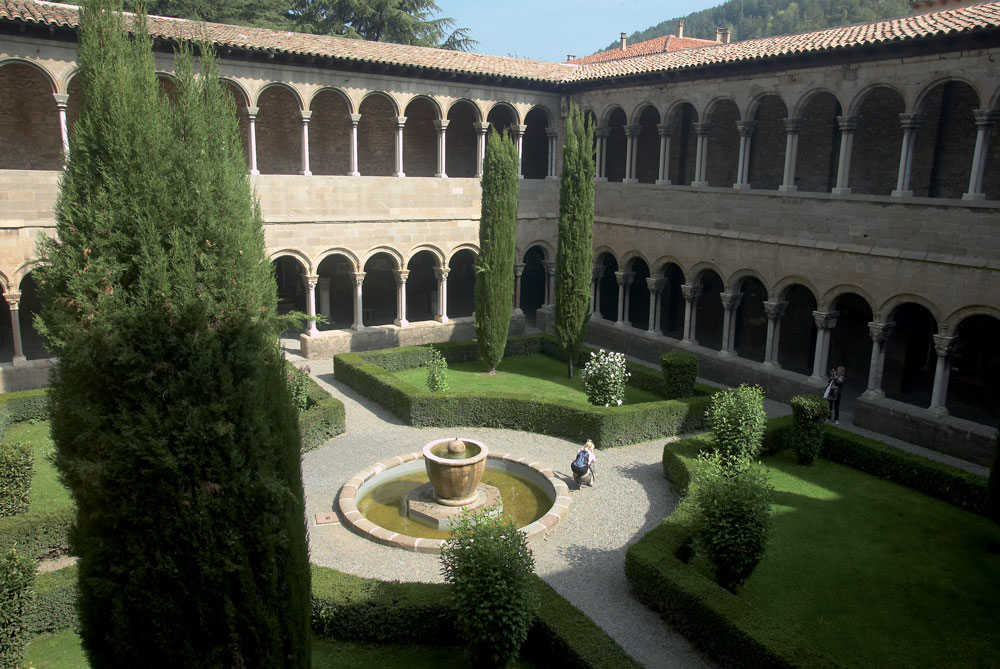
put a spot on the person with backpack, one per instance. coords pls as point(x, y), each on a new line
point(583, 465)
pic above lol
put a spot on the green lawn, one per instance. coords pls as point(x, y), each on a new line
point(538, 376)
point(46, 491)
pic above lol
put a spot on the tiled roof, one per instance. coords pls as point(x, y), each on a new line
point(964, 19)
point(644, 48)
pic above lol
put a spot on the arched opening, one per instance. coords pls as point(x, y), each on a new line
point(908, 375)
point(290, 276)
point(420, 143)
point(723, 145)
point(973, 392)
point(240, 103)
point(462, 284)
point(30, 138)
point(378, 292)
point(422, 287)
point(615, 148)
point(501, 117)
point(535, 149)
point(767, 144)
point(877, 142)
point(672, 302)
point(608, 287)
point(647, 159)
point(279, 132)
point(751, 320)
point(683, 144)
point(850, 342)
point(330, 134)
point(460, 140)
point(797, 338)
point(991, 176)
point(377, 137)
point(946, 139)
point(32, 344)
point(638, 295)
point(708, 324)
point(168, 85)
point(335, 292)
point(819, 144)
point(533, 282)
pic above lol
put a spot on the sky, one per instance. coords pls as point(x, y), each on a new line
point(551, 29)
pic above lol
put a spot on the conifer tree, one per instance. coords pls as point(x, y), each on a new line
point(574, 253)
point(495, 264)
point(174, 428)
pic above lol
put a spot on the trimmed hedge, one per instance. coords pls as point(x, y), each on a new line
point(16, 469)
point(680, 370)
point(54, 608)
point(17, 576)
point(39, 534)
point(26, 405)
point(323, 419)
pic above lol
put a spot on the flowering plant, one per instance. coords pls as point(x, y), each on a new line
point(296, 378)
point(604, 378)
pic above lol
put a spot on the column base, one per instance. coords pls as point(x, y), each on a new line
point(306, 173)
point(787, 189)
point(354, 174)
point(441, 176)
point(600, 178)
point(442, 319)
point(630, 181)
point(399, 174)
point(516, 311)
point(620, 324)
point(313, 330)
point(902, 194)
point(254, 172)
point(688, 342)
point(840, 191)
point(818, 381)
point(552, 177)
point(741, 187)
point(726, 354)
point(699, 184)
point(871, 394)
point(663, 182)
point(771, 364)
point(358, 327)
point(938, 412)
point(654, 333)
point(973, 197)
point(401, 322)
point(19, 361)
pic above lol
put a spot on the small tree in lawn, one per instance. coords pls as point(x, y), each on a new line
point(495, 264)
point(576, 236)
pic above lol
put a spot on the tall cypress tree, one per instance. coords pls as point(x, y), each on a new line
point(574, 253)
point(173, 424)
point(495, 264)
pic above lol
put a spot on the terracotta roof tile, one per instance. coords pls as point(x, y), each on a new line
point(644, 48)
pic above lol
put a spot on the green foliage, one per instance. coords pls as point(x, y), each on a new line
point(38, 533)
point(26, 405)
point(17, 576)
point(54, 608)
point(495, 262)
point(320, 422)
point(16, 469)
point(604, 378)
point(261, 13)
point(174, 429)
point(489, 563)
point(736, 418)
point(437, 372)
point(810, 414)
point(298, 384)
point(993, 498)
point(680, 372)
point(575, 246)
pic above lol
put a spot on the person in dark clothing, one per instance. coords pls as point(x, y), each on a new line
point(834, 389)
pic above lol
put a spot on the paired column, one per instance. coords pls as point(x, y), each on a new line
point(691, 295)
point(655, 287)
point(595, 289)
point(745, 128)
point(847, 125)
point(359, 279)
point(825, 321)
point(481, 130)
point(252, 130)
point(985, 120)
point(945, 348)
point(702, 130)
point(730, 303)
point(552, 134)
point(354, 119)
point(793, 126)
point(550, 284)
point(602, 146)
point(631, 153)
point(442, 276)
point(14, 301)
point(624, 279)
point(323, 287)
point(62, 100)
point(401, 276)
point(663, 175)
point(311, 280)
point(400, 124)
point(518, 273)
point(306, 115)
point(518, 131)
point(775, 312)
point(880, 334)
point(911, 123)
point(442, 128)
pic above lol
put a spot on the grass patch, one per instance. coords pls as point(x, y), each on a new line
point(47, 492)
point(537, 376)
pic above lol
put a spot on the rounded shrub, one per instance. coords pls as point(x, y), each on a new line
point(17, 578)
point(809, 413)
point(16, 470)
point(736, 418)
point(604, 378)
point(680, 371)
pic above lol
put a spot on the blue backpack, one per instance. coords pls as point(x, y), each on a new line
point(581, 460)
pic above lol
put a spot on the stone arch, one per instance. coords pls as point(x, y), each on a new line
point(477, 111)
point(346, 253)
point(605, 117)
point(893, 303)
point(831, 296)
point(783, 285)
point(462, 139)
point(671, 297)
point(750, 328)
point(647, 145)
point(422, 286)
point(663, 262)
point(535, 146)
point(708, 309)
point(910, 359)
point(290, 270)
point(32, 344)
point(75, 93)
point(855, 105)
point(336, 287)
point(946, 138)
point(437, 253)
point(24, 270)
point(850, 341)
point(330, 132)
point(806, 99)
point(420, 137)
point(241, 100)
point(168, 84)
point(279, 129)
point(240, 92)
point(950, 324)
point(694, 274)
point(819, 141)
point(797, 336)
point(4, 283)
point(502, 116)
point(615, 146)
point(387, 97)
point(723, 151)
point(681, 118)
point(735, 280)
point(926, 92)
point(629, 256)
point(606, 304)
point(391, 253)
point(548, 249)
point(638, 291)
point(30, 136)
point(975, 366)
point(298, 256)
point(767, 141)
point(377, 135)
point(378, 291)
point(462, 281)
point(534, 279)
point(877, 140)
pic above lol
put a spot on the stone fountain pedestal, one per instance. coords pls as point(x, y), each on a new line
point(422, 505)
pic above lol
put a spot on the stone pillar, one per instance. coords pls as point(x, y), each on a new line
point(354, 119)
point(550, 284)
point(663, 175)
point(359, 279)
point(985, 120)
point(775, 311)
point(400, 124)
point(595, 301)
point(631, 153)
point(847, 124)
point(793, 126)
point(911, 123)
point(691, 295)
point(442, 275)
point(311, 280)
point(252, 130)
point(622, 282)
point(518, 272)
point(62, 100)
point(323, 286)
point(945, 348)
point(745, 128)
point(702, 130)
point(629, 276)
point(730, 303)
point(552, 134)
point(401, 276)
point(481, 130)
point(825, 321)
point(14, 301)
point(880, 334)
point(602, 145)
point(519, 142)
point(306, 115)
point(655, 287)
point(442, 128)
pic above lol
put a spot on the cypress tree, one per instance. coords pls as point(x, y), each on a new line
point(576, 236)
point(174, 427)
point(495, 264)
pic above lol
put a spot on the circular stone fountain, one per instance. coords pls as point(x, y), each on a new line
point(455, 468)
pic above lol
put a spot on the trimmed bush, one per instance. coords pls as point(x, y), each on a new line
point(736, 418)
point(437, 371)
point(38, 534)
point(489, 564)
point(54, 608)
point(297, 379)
point(321, 422)
point(604, 378)
point(16, 469)
point(680, 371)
point(17, 575)
point(809, 415)
point(26, 405)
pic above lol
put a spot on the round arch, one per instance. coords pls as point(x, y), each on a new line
point(830, 297)
point(502, 107)
point(641, 107)
point(30, 134)
point(342, 252)
point(535, 144)
point(302, 258)
point(239, 88)
point(479, 115)
point(713, 105)
point(429, 248)
point(783, 284)
point(700, 268)
point(336, 91)
point(24, 270)
point(754, 103)
point(891, 305)
point(49, 77)
point(733, 282)
point(599, 252)
point(629, 256)
point(474, 248)
point(435, 105)
point(550, 251)
point(396, 256)
point(804, 100)
point(661, 263)
point(921, 98)
point(950, 325)
point(462, 138)
point(859, 97)
point(393, 103)
point(278, 84)
point(608, 111)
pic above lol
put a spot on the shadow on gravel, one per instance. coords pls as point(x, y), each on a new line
point(378, 410)
point(660, 494)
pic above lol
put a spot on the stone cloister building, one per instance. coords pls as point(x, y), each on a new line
point(778, 206)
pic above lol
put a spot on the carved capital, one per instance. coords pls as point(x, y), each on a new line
point(731, 301)
point(482, 128)
point(323, 283)
point(598, 272)
point(550, 267)
point(519, 129)
point(633, 130)
point(746, 128)
point(400, 122)
point(401, 275)
point(441, 124)
point(312, 280)
point(62, 99)
point(702, 129)
point(13, 300)
point(552, 132)
point(518, 268)
point(665, 129)
point(354, 119)
point(306, 115)
point(793, 126)
point(986, 118)
point(655, 285)
point(359, 278)
point(775, 310)
point(944, 345)
point(825, 320)
point(442, 273)
point(252, 112)
point(690, 293)
point(911, 122)
point(880, 332)
point(602, 132)
point(848, 123)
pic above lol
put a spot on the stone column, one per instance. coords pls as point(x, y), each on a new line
point(442, 275)
point(629, 277)
point(985, 120)
point(14, 301)
point(602, 145)
point(775, 311)
point(442, 128)
point(518, 272)
point(911, 123)
point(847, 124)
point(825, 321)
point(519, 143)
point(311, 280)
point(552, 134)
point(745, 128)
point(702, 130)
point(252, 130)
point(793, 126)
point(880, 334)
point(354, 119)
point(550, 284)
point(621, 278)
point(730, 303)
point(324, 296)
point(663, 175)
point(655, 287)
point(481, 130)
point(306, 115)
point(631, 153)
point(691, 295)
point(945, 348)
point(401, 276)
point(595, 301)
point(62, 100)
point(400, 124)
point(359, 279)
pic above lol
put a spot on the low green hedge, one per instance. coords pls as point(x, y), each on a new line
point(25, 405)
point(323, 419)
point(16, 469)
point(54, 608)
point(39, 533)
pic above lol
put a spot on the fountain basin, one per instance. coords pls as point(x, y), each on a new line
point(455, 473)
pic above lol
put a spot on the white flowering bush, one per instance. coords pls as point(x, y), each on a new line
point(604, 378)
